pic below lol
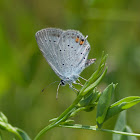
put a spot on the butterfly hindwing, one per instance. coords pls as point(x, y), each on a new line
point(74, 52)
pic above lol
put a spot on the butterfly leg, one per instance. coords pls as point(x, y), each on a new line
point(82, 78)
point(57, 90)
point(73, 88)
point(78, 83)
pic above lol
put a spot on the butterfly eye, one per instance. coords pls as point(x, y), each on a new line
point(62, 83)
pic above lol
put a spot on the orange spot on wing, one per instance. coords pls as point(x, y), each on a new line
point(81, 42)
point(77, 40)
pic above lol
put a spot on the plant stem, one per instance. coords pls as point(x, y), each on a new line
point(50, 126)
point(79, 126)
point(119, 132)
point(82, 92)
point(59, 119)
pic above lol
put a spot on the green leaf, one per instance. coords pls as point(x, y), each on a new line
point(122, 104)
point(92, 86)
point(100, 69)
point(96, 74)
point(120, 125)
point(89, 98)
point(4, 122)
point(54, 119)
point(86, 101)
point(96, 95)
point(89, 107)
point(69, 121)
point(23, 134)
point(3, 118)
point(103, 104)
point(8, 127)
point(3, 125)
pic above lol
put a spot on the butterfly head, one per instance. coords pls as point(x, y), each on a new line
point(62, 83)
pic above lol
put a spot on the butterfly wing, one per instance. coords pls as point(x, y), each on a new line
point(47, 40)
point(73, 50)
point(65, 51)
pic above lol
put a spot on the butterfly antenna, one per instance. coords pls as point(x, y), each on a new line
point(48, 86)
point(86, 37)
point(57, 90)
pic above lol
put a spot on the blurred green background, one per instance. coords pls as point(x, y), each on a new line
point(112, 26)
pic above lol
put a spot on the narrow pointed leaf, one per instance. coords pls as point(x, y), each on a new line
point(96, 74)
point(122, 104)
point(86, 101)
point(104, 103)
point(3, 118)
point(128, 129)
point(120, 125)
point(8, 127)
point(92, 86)
point(23, 134)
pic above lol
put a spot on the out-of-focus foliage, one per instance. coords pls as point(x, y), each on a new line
point(112, 26)
point(122, 126)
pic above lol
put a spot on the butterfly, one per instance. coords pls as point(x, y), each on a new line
point(66, 51)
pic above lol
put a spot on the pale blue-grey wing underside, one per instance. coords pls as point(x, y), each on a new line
point(73, 55)
point(47, 40)
point(66, 56)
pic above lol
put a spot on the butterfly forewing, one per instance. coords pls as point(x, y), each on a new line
point(47, 40)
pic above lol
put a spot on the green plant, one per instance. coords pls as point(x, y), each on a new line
point(87, 99)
